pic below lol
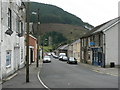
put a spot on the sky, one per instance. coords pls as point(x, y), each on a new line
point(94, 12)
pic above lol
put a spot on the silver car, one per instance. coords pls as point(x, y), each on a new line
point(46, 59)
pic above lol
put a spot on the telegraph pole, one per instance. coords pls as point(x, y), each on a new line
point(37, 62)
point(27, 43)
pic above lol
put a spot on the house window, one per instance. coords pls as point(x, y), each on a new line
point(99, 40)
point(8, 58)
point(21, 31)
point(9, 19)
point(21, 55)
point(94, 39)
point(18, 25)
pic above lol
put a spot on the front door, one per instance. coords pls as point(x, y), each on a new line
point(31, 55)
point(96, 57)
point(16, 58)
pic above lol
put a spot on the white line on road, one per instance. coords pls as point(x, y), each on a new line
point(38, 75)
point(42, 81)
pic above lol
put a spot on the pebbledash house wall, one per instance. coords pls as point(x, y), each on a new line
point(13, 43)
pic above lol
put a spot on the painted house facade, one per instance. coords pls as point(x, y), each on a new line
point(76, 49)
point(100, 45)
point(70, 50)
point(12, 40)
point(32, 49)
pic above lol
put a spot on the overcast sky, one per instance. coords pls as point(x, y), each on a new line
point(94, 12)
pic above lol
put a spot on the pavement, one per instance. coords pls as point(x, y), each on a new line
point(110, 71)
point(18, 79)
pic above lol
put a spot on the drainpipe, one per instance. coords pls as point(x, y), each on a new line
point(0, 43)
point(104, 49)
point(81, 50)
point(0, 66)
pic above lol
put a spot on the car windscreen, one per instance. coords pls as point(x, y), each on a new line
point(46, 57)
point(71, 59)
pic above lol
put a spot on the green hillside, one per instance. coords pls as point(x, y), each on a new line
point(57, 24)
point(53, 14)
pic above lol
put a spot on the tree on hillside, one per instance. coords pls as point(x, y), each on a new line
point(57, 38)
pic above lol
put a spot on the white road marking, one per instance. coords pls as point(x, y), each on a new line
point(38, 75)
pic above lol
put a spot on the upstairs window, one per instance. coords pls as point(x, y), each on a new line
point(9, 19)
point(9, 31)
point(20, 33)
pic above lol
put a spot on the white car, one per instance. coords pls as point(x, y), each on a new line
point(64, 58)
point(49, 54)
point(46, 59)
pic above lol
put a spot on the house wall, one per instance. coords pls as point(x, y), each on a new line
point(70, 51)
point(12, 43)
point(111, 38)
point(0, 44)
point(76, 51)
point(33, 43)
point(86, 48)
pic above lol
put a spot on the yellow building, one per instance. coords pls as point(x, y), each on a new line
point(76, 49)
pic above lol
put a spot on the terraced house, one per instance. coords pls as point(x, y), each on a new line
point(100, 45)
point(76, 49)
point(12, 40)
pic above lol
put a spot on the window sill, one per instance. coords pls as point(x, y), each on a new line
point(9, 66)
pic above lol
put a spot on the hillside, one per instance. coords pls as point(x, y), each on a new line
point(53, 14)
point(71, 32)
point(57, 24)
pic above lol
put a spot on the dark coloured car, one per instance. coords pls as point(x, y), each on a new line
point(72, 60)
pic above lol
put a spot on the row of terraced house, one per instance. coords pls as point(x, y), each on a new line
point(13, 39)
point(98, 46)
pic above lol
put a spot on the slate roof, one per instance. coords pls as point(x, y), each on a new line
point(101, 27)
point(64, 47)
point(111, 22)
point(76, 41)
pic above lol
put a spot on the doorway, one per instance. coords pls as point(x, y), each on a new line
point(16, 58)
point(96, 57)
point(31, 55)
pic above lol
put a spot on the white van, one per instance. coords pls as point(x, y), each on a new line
point(62, 54)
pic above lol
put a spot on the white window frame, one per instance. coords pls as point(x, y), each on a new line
point(8, 58)
point(9, 19)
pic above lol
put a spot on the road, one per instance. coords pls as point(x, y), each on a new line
point(59, 74)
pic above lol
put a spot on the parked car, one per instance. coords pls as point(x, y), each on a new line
point(55, 56)
point(49, 53)
point(64, 58)
point(60, 57)
point(72, 60)
point(46, 59)
point(62, 54)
